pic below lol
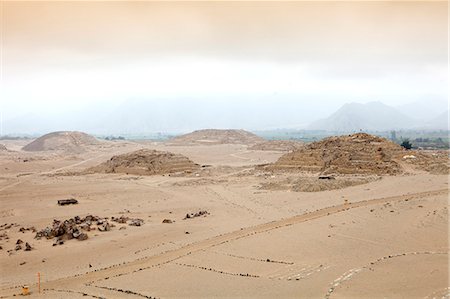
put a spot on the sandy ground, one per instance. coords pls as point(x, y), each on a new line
point(384, 239)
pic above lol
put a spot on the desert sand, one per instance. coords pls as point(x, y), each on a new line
point(227, 221)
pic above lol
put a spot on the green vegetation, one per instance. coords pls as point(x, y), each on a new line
point(406, 144)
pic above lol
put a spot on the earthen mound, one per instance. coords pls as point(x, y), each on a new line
point(360, 153)
point(214, 136)
point(277, 145)
point(3, 148)
point(68, 141)
point(353, 154)
point(146, 162)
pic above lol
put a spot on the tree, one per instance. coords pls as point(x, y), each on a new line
point(406, 144)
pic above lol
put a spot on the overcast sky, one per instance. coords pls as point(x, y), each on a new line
point(60, 56)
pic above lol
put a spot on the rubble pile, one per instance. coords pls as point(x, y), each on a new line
point(77, 227)
point(73, 228)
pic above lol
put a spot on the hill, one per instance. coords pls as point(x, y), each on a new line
point(146, 162)
point(439, 123)
point(69, 141)
point(425, 109)
point(215, 136)
point(373, 116)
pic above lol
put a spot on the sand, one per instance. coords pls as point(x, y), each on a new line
point(387, 237)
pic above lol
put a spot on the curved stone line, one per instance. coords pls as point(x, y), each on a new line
point(350, 273)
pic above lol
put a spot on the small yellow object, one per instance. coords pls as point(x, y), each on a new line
point(25, 290)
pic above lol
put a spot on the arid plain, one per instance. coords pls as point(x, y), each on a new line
point(225, 215)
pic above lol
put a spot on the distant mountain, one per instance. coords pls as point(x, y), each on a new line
point(440, 122)
point(426, 109)
point(373, 116)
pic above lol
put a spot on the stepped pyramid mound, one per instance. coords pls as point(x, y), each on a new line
point(68, 141)
point(146, 162)
point(359, 153)
point(215, 136)
point(277, 145)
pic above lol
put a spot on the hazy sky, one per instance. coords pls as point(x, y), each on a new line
point(59, 56)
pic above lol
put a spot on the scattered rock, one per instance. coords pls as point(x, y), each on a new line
point(326, 177)
point(136, 222)
point(104, 227)
point(58, 241)
point(198, 214)
point(167, 221)
point(82, 237)
point(23, 229)
point(121, 219)
point(70, 201)
point(28, 247)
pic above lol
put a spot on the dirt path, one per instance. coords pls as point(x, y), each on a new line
point(86, 283)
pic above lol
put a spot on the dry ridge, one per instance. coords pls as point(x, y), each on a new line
point(146, 162)
point(360, 154)
point(215, 136)
point(72, 142)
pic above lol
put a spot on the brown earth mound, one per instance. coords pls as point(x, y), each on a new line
point(354, 154)
point(146, 162)
point(214, 136)
point(277, 145)
point(359, 153)
point(73, 142)
point(3, 148)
